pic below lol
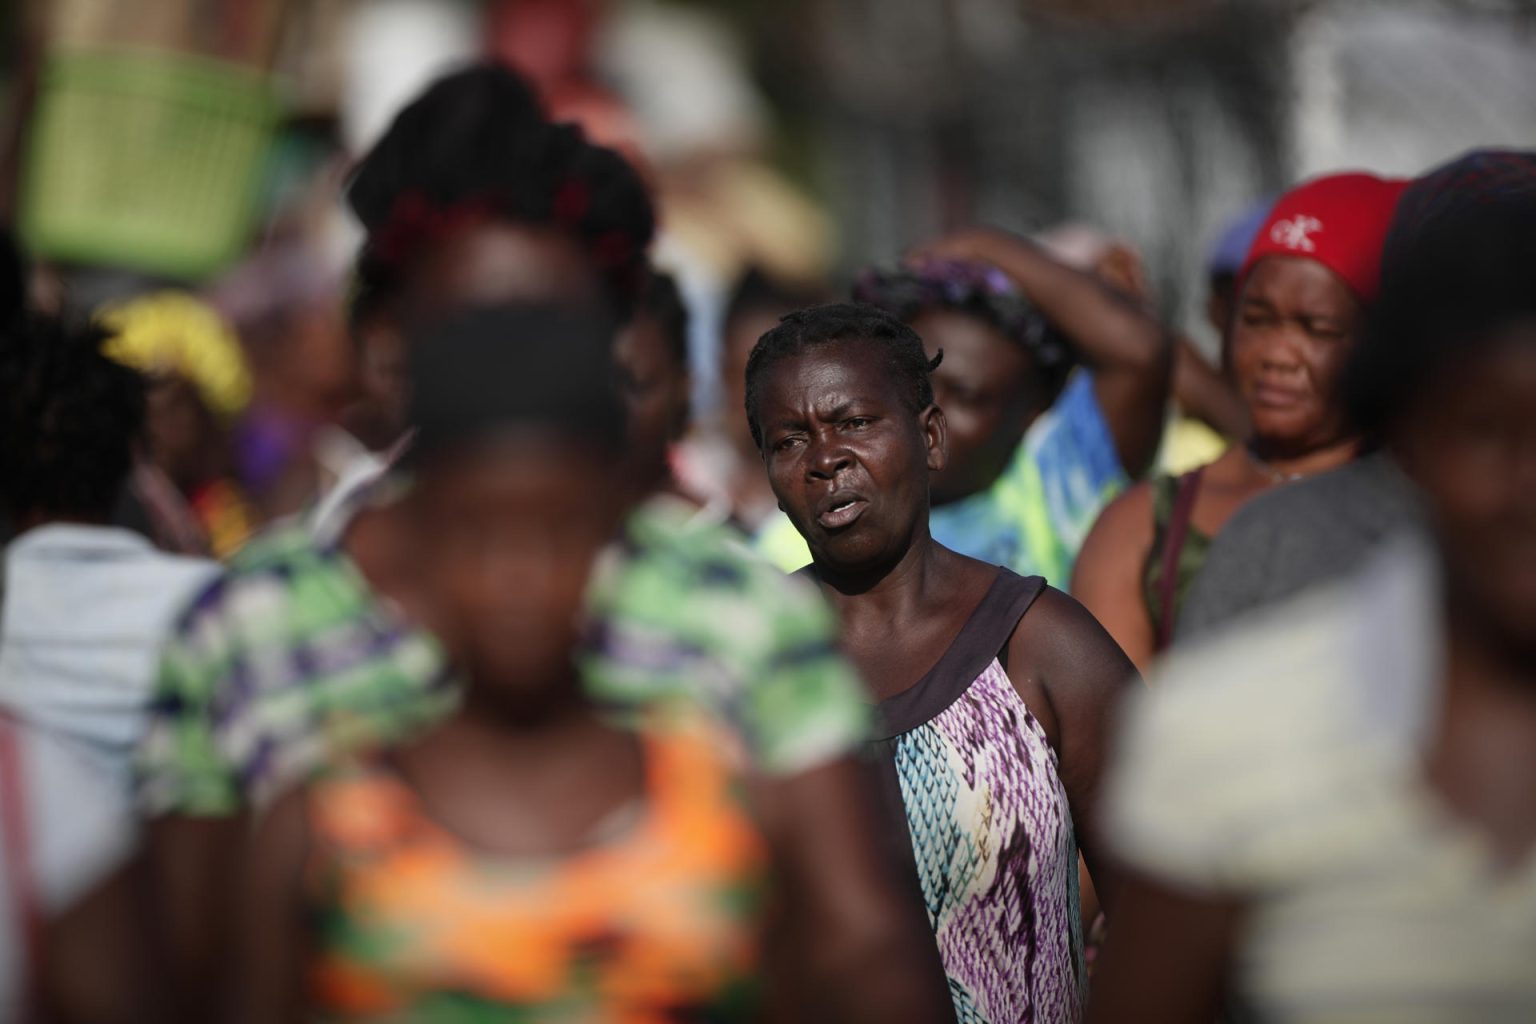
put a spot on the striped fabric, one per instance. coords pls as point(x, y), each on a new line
point(289, 659)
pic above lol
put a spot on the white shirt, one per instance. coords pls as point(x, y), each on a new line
point(1282, 764)
point(79, 829)
point(85, 612)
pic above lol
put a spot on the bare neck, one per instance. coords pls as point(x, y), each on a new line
point(902, 591)
point(1308, 463)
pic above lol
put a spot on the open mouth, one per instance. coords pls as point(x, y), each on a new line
point(842, 513)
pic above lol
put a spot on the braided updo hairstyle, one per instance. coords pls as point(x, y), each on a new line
point(979, 291)
point(806, 329)
point(477, 147)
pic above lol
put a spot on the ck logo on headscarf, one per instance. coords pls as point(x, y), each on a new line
point(1293, 233)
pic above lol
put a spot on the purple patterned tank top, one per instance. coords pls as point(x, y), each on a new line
point(990, 828)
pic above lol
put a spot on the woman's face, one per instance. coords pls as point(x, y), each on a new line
point(179, 429)
point(1296, 324)
point(504, 538)
point(983, 386)
point(1471, 446)
point(656, 388)
point(847, 459)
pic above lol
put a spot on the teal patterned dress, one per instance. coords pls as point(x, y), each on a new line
point(990, 827)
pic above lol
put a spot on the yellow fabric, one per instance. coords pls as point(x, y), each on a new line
point(174, 332)
point(1189, 444)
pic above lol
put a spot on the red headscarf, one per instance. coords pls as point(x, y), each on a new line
point(1339, 220)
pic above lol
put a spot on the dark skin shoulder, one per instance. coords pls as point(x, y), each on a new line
point(1069, 672)
point(1109, 574)
point(1071, 675)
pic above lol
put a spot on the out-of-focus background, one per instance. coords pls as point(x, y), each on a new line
point(149, 142)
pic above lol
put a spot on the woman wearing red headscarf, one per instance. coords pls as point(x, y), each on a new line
point(1302, 295)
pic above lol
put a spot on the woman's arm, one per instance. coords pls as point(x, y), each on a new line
point(858, 945)
point(1110, 571)
point(1129, 351)
point(1064, 656)
point(1167, 956)
point(271, 941)
point(191, 866)
point(95, 966)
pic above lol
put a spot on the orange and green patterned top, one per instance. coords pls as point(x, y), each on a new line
point(660, 923)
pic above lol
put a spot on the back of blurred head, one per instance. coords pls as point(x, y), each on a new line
point(1446, 376)
point(475, 150)
point(472, 197)
point(517, 487)
point(69, 419)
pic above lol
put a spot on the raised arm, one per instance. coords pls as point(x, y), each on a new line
point(858, 945)
point(1129, 351)
point(1066, 658)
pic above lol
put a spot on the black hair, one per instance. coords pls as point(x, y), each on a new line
point(13, 280)
point(68, 421)
point(481, 371)
point(984, 293)
point(1222, 282)
point(477, 144)
point(758, 292)
point(1446, 294)
point(662, 302)
point(844, 321)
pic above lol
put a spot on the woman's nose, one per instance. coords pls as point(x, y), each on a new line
point(828, 457)
point(1282, 351)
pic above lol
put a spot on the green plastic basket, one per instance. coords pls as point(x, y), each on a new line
point(146, 161)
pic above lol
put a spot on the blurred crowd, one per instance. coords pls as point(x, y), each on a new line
point(504, 574)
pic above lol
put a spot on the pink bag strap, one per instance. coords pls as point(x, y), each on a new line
point(1173, 547)
point(16, 833)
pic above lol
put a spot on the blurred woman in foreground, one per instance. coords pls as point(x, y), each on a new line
point(529, 855)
